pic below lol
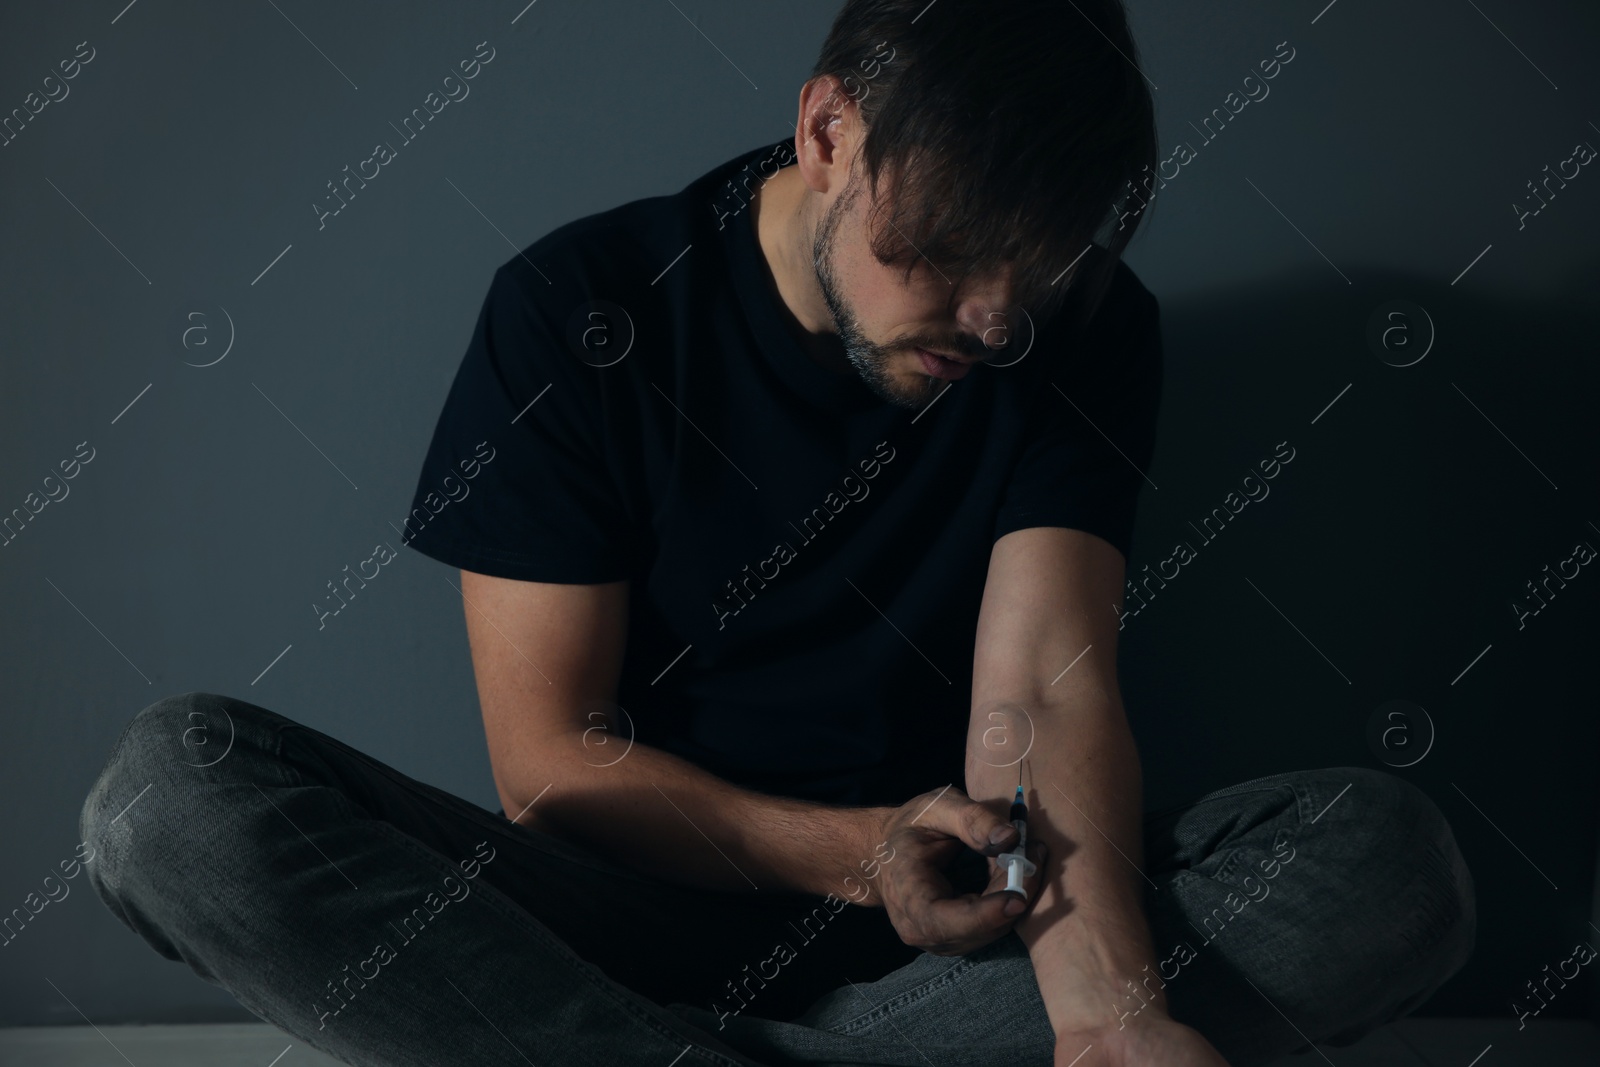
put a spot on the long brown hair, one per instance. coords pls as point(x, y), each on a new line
point(1012, 132)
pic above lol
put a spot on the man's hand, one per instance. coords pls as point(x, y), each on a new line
point(926, 833)
point(1152, 1041)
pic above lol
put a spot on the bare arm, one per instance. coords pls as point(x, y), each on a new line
point(547, 658)
point(1048, 603)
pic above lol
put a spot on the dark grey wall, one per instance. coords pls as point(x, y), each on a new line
point(1386, 158)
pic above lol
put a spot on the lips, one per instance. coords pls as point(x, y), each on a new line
point(948, 369)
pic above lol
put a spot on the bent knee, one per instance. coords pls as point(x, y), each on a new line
point(161, 755)
point(174, 730)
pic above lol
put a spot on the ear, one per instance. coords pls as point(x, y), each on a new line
point(828, 134)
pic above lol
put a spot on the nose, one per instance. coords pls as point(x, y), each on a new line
point(991, 323)
point(986, 311)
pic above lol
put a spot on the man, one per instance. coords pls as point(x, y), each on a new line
point(770, 614)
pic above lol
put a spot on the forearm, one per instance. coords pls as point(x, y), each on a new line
point(1087, 933)
point(660, 814)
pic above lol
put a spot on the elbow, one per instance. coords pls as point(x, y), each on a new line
point(509, 800)
point(538, 777)
point(517, 800)
point(520, 786)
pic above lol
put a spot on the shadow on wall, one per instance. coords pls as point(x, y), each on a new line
point(1369, 603)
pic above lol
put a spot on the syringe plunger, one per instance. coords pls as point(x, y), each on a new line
point(1017, 864)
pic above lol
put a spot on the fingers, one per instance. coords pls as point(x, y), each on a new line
point(975, 824)
point(926, 910)
point(944, 923)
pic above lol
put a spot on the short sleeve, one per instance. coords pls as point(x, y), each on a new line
point(1091, 430)
point(514, 483)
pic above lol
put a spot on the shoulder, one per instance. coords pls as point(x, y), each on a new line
point(582, 295)
point(1126, 297)
point(628, 247)
point(614, 283)
point(1120, 342)
point(1129, 318)
point(604, 251)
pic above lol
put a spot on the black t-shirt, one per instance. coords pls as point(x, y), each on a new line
point(806, 560)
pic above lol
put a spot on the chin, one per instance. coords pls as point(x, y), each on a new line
point(916, 391)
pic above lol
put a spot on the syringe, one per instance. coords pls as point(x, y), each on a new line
point(1018, 865)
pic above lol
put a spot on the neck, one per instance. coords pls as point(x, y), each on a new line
point(785, 233)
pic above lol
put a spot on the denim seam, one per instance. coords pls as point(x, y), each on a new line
point(1434, 917)
point(1229, 863)
point(1231, 860)
point(1252, 781)
point(278, 763)
point(1229, 791)
point(910, 996)
point(1303, 800)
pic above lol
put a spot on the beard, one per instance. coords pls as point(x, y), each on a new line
point(870, 360)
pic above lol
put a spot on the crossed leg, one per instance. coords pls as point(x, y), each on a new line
point(388, 922)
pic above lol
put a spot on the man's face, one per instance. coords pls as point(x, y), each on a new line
point(884, 319)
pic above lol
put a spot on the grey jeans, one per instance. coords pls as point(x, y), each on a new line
point(387, 922)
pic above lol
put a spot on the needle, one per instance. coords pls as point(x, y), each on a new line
point(1016, 862)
